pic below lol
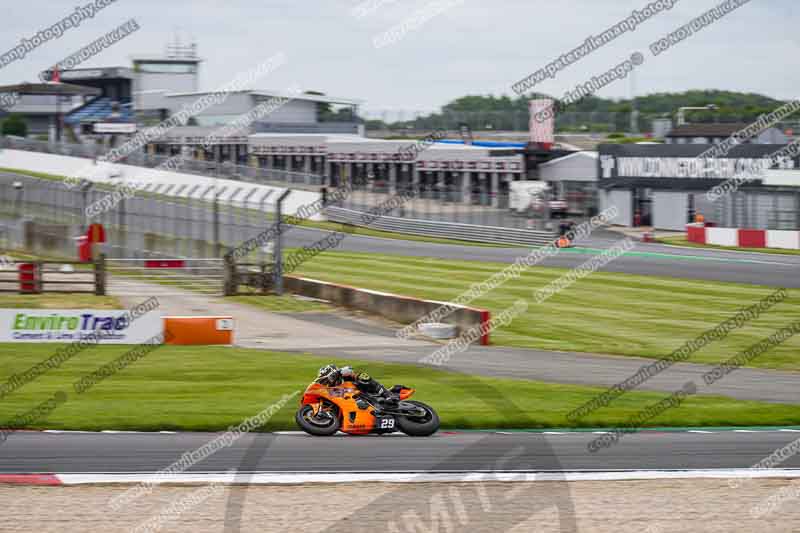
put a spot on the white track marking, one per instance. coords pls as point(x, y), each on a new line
point(282, 478)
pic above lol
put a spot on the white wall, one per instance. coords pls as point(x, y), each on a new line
point(670, 210)
point(722, 236)
point(239, 103)
point(582, 166)
point(622, 200)
point(147, 177)
point(789, 240)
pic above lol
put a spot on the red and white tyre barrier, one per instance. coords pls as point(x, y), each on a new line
point(743, 238)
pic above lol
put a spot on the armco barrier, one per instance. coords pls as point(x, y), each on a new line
point(447, 230)
point(403, 309)
point(743, 238)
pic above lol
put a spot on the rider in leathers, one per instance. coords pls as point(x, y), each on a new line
point(332, 375)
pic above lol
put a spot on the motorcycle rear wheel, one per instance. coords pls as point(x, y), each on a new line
point(419, 426)
point(318, 426)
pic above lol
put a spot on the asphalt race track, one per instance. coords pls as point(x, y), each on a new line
point(649, 259)
point(27, 452)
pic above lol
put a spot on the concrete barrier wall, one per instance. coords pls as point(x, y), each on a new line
point(722, 236)
point(402, 309)
point(789, 240)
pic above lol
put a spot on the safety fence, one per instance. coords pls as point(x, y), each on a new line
point(165, 276)
point(36, 277)
point(120, 277)
point(47, 217)
point(447, 230)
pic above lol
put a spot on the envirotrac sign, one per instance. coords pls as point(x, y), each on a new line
point(56, 325)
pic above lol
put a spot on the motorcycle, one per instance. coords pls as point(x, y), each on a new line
point(325, 409)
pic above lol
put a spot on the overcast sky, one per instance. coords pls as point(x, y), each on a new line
point(474, 47)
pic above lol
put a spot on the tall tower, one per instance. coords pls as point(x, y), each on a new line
point(177, 71)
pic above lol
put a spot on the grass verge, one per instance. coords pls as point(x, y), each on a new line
point(58, 301)
point(281, 304)
point(211, 388)
point(609, 313)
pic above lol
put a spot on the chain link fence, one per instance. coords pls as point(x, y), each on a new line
point(476, 206)
point(144, 226)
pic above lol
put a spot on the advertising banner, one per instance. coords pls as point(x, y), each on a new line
point(68, 325)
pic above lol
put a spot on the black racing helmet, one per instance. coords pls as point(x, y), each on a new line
point(329, 375)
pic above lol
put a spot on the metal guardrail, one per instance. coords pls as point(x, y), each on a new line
point(447, 230)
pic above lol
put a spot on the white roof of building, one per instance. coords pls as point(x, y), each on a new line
point(589, 154)
point(779, 177)
point(285, 94)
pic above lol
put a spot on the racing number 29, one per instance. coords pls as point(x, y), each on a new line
point(387, 423)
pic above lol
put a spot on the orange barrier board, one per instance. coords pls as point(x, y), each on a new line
point(198, 330)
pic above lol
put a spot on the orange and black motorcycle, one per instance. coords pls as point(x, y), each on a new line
point(326, 409)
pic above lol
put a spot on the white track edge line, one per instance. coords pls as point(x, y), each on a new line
point(284, 478)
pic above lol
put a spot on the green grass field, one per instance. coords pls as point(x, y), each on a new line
point(607, 313)
point(281, 304)
point(210, 388)
point(58, 301)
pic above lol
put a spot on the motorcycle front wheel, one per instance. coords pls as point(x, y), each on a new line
point(324, 424)
point(419, 426)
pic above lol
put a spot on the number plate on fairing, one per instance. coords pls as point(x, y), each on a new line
point(385, 423)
